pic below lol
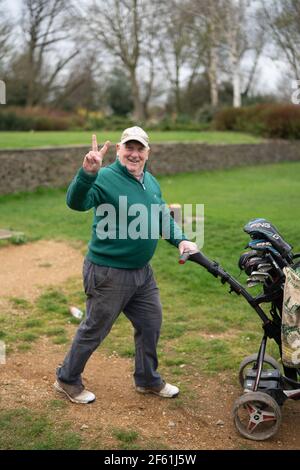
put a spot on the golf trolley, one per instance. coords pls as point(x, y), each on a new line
point(257, 413)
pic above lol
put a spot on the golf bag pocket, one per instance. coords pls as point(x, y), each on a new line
point(290, 325)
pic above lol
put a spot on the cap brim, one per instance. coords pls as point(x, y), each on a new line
point(137, 138)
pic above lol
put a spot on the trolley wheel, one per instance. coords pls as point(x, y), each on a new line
point(249, 362)
point(256, 415)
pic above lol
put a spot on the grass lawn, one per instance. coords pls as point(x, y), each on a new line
point(205, 329)
point(43, 139)
point(194, 302)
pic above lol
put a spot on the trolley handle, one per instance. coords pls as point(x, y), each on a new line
point(211, 266)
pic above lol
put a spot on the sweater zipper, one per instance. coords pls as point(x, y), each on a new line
point(139, 182)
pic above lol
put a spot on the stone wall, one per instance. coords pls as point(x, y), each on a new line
point(26, 170)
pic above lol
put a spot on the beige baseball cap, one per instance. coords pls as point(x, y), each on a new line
point(135, 133)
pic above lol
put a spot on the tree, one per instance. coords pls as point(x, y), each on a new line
point(16, 80)
point(234, 18)
point(222, 38)
point(126, 28)
point(45, 26)
point(213, 30)
point(240, 40)
point(283, 19)
point(82, 88)
point(118, 93)
point(207, 38)
point(175, 45)
point(6, 28)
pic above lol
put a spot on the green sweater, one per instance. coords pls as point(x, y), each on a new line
point(107, 187)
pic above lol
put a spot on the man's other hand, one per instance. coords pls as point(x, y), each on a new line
point(185, 245)
point(93, 160)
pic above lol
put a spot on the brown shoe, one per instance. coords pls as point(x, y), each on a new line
point(165, 390)
point(75, 393)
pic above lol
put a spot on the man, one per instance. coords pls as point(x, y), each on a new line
point(116, 272)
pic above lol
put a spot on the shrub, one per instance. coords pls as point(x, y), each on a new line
point(39, 119)
point(227, 118)
point(180, 123)
point(205, 114)
point(10, 121)
point(112, 123)
point(283, 121)
point(268, 120)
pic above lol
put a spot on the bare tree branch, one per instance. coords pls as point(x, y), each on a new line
point(44, 24)
point(283, 20)
point(6, 28)
point(123, 27)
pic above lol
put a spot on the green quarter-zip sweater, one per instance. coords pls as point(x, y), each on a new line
point(129, 215)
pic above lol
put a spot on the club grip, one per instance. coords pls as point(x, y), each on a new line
point(211, 266)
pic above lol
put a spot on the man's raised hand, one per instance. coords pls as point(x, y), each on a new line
point(93, 160)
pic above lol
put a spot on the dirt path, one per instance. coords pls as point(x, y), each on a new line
point(201, 422)
point(27, 269)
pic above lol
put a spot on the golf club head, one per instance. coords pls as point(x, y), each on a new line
point(263, 267)
point(259, 276)
point(251, 283)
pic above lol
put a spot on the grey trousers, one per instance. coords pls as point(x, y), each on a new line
point(110, 291)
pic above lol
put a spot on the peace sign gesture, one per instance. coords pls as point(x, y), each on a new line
point(93, 160)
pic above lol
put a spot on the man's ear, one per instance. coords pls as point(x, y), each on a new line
point(118, 146)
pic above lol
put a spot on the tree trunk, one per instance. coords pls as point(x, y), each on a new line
point(234, 13)
point(237, 102)
point(235, 65)
point(236, 79)
point(138, 108)
point(213, 57)
point(177, 88)
point(212, 75)
point(30, 77)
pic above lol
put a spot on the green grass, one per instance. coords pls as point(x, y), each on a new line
point(29, 337)
point(126, 436)
point(205, 330)
point(201, 320)
point(44, 139)
point(24, 323)
point(58, 404)
point(20, 303)
point(53, 300)
point(55, 331)
point(129, 439)
point(21, 429)
point(34, 322)
point(194, 302)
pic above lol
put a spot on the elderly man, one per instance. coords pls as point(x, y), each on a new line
point(116, 273)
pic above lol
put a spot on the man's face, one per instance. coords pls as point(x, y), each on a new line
point(133, 155)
